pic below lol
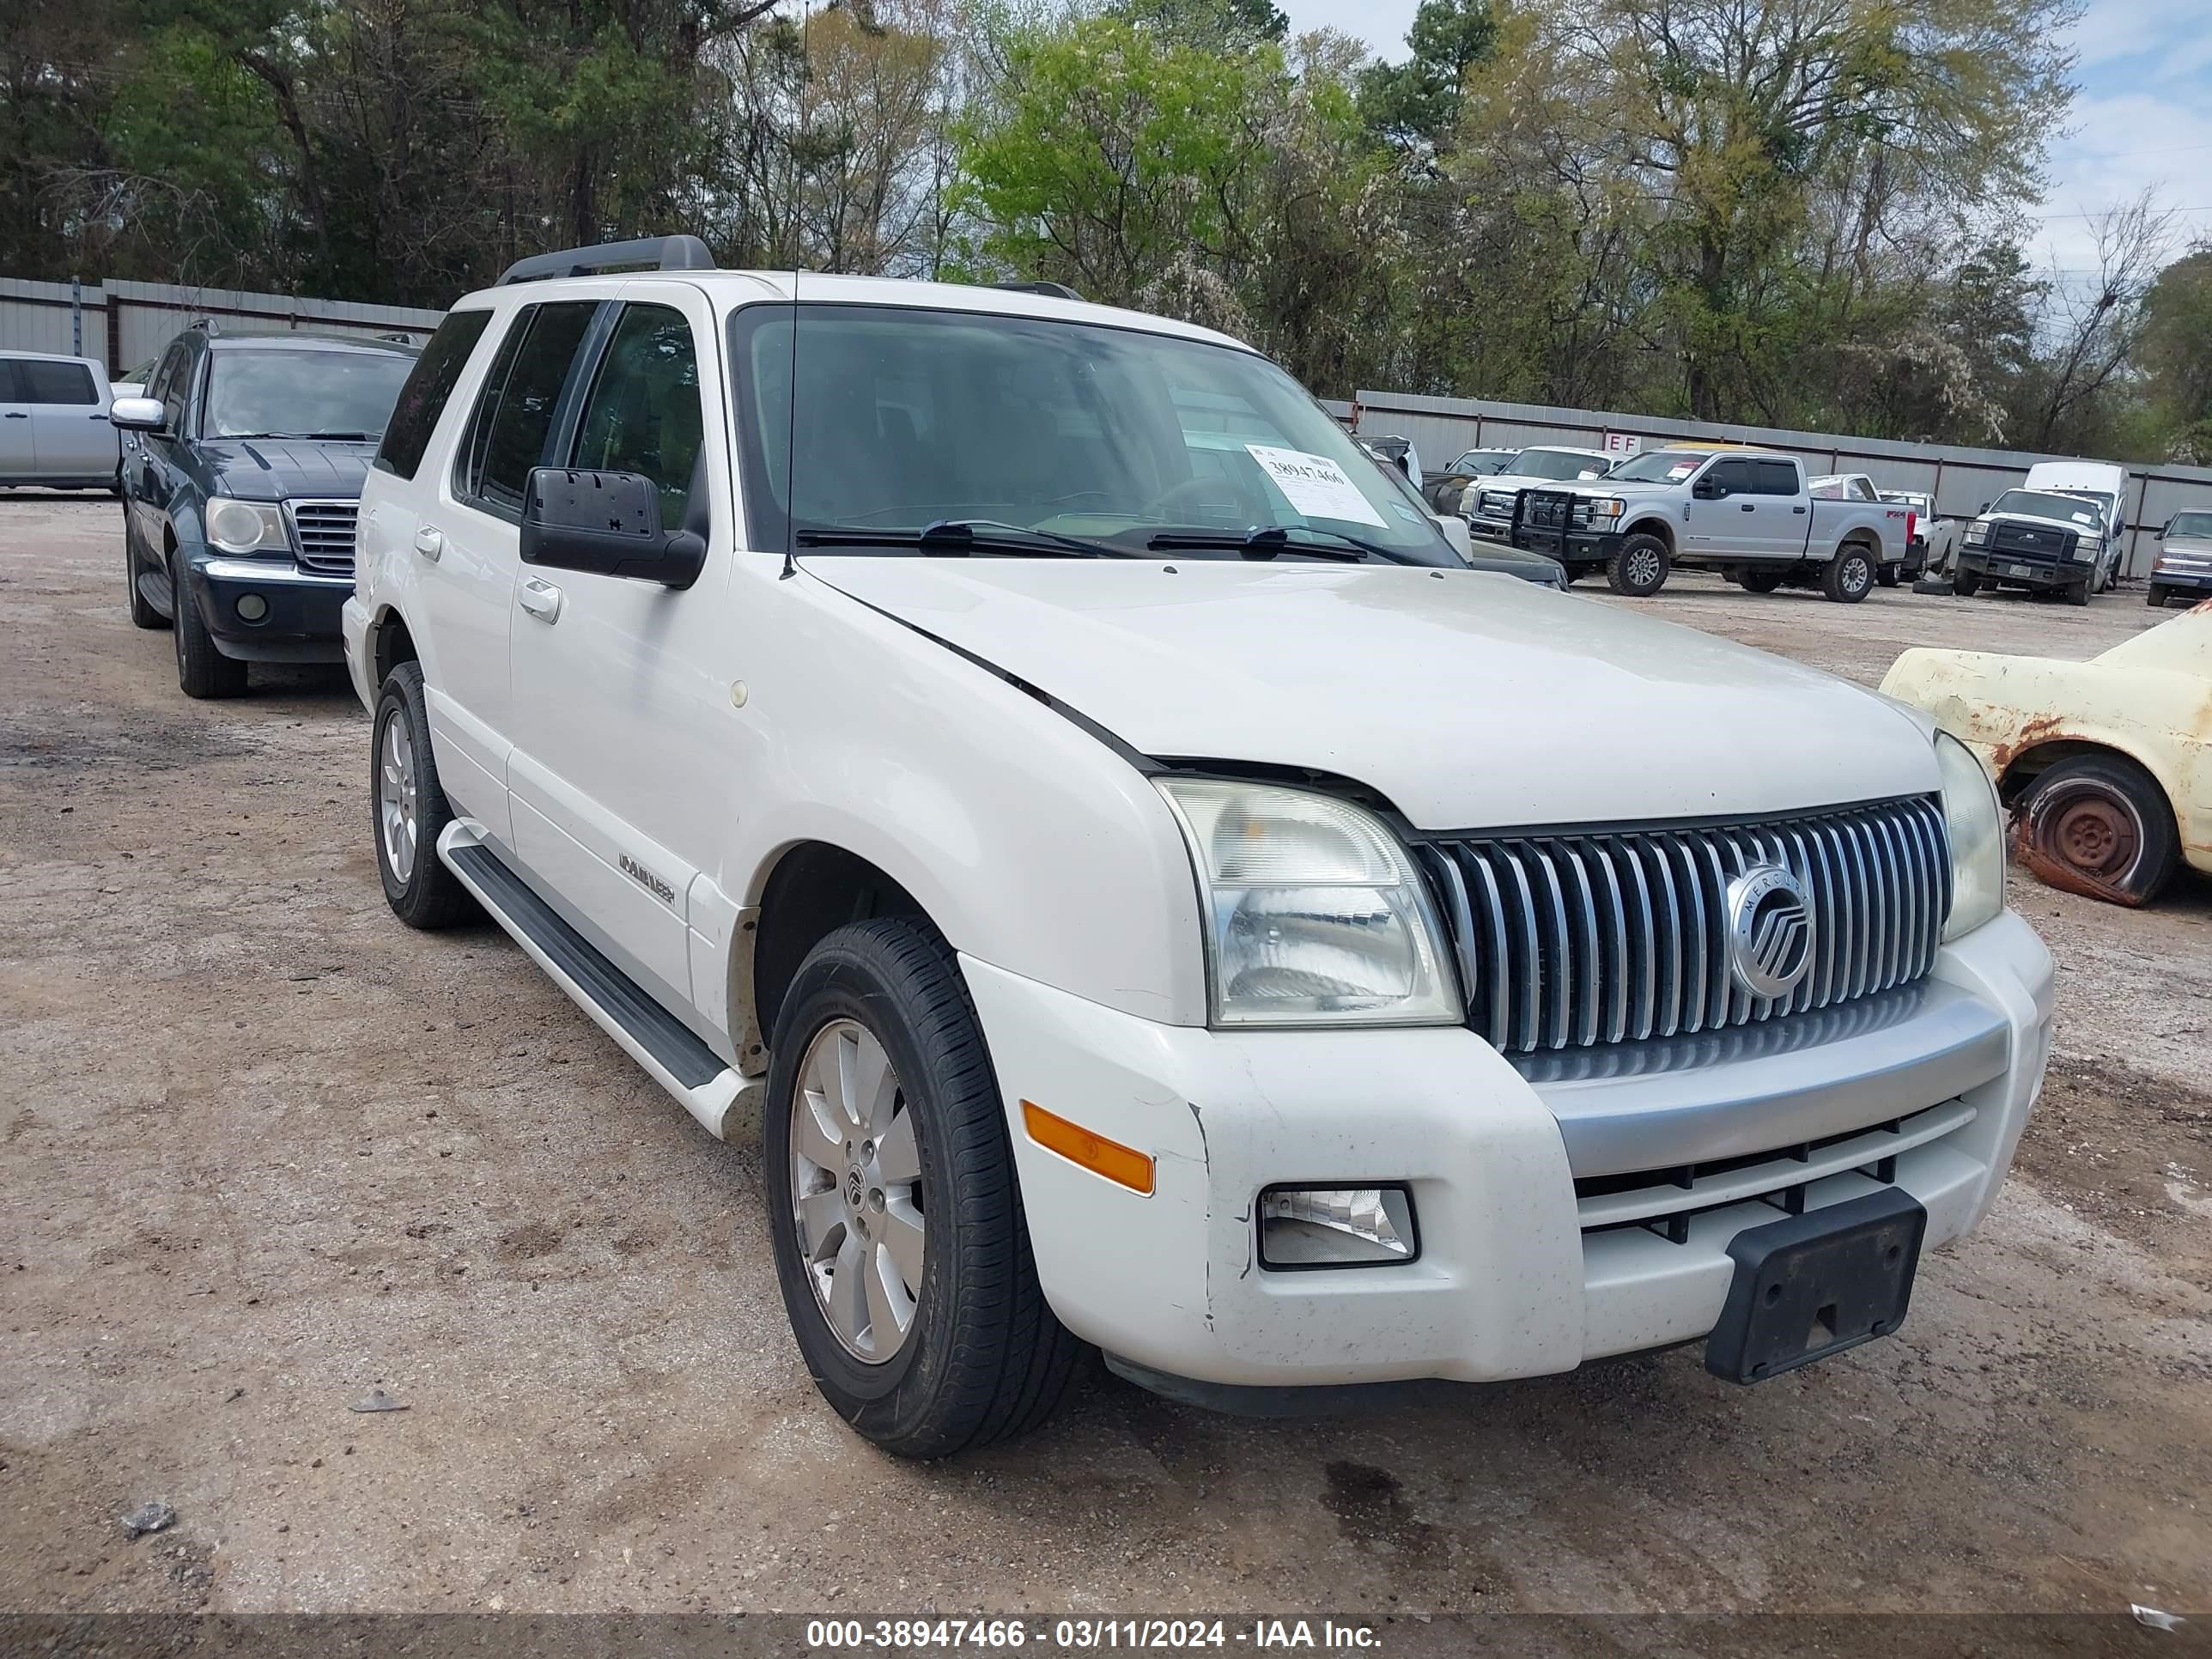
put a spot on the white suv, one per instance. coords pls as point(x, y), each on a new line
point(1022, 757)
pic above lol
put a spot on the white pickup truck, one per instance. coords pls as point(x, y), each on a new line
point(1020, 761)
point(1748, 513)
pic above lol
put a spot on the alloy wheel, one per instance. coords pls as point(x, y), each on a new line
point(396, 801)
point(856, 1191)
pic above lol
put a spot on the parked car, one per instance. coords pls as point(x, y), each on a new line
point(240, 497)
point(1746, 513)
point(2105, 486)
point(2107, 764)
point(1490, 555)
point(2040, 540)
point(133, 383)
point(54, 433)
point(1489, 502)
point(1447, 490)
point(1106, 865)
point(1933, 540)
point(1397, 452)
point(1911, 557)
point(2183, 568)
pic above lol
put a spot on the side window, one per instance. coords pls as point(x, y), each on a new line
point(1772, 477)
point(1730, 477)
point(429, 384)
point(164, 389)
point(1863, 491)
point(46, 382)
point(506, 436)
point(9, 391)
point(642, 414)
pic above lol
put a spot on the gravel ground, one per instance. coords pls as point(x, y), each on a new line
point(266, 1150)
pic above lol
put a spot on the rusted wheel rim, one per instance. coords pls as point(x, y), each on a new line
point(2094, 832)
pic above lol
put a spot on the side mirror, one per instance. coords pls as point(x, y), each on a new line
point(2164, 528)
point(1457, 532)
point(1983, 509)
point(137, 414)
point(1707, 490)
point(609, 522)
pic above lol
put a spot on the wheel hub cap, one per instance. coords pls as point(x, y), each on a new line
point(2095, 834)
point(856, 1191)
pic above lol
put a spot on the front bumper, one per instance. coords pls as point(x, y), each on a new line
point(299, 621)
point(1518, 1276)
point(2192, 579)
point(2027, 573)
point(1569, 547)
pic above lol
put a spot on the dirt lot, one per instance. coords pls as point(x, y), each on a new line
point(266, 1150)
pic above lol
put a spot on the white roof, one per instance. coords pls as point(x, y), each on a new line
point(1562, 449)
point(47, 357)
point(735, 288)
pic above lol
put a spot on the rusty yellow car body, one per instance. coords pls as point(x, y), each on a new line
point(2095, 733)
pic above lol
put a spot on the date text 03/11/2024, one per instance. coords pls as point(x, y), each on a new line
point(914, 1634)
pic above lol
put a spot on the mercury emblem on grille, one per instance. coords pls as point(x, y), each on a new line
point(1770, 931)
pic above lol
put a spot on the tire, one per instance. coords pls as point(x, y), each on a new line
point(1967, 584)
point(142, 615)
point(2079, 593)
point(1848, 576)
point(2099, 824)
point(1760, 581)
point(1888, 575)
point(407, 810)
point(201, 671)
point(1639, 567)
point(982, 1357)
point(2157, 597)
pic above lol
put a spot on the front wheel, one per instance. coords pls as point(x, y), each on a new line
point(2157, 597)
point(201, 671)
point(900, 1240)
point(1967, 584)
point(1638, 568)
point(2079, 593)
point(1848, 576)
point(1888, 575)
point(2100, 825)
point(142, 615)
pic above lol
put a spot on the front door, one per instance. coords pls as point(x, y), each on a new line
point(621, 778)
point(464, 544)
point(18, 458)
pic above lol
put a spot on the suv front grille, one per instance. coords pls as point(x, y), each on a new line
point(323, 531)
point(1579, 938)
point(1499, 503)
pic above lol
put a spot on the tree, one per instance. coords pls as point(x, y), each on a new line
point(2094, 326)
point(2173, 349)
point(1415, 105)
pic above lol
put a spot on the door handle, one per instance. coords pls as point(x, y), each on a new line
point(1797, 509)
point(541, 600)
point(1751, 507)
point(428, 543)
point(18, 414)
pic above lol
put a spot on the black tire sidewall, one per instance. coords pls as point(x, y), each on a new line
point(196, 657)
point(1840, 587)
point(1617, 571)
point(432, 896)
point(2128, 780)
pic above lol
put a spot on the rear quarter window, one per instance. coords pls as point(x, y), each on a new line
point(424, 398)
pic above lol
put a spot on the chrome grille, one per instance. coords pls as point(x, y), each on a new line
point(323, 534)
point(1574, 939)
point(1499, 503)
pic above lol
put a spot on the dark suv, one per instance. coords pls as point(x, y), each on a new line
point(242, 469)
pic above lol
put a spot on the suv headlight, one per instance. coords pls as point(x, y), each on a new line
point(1979, 531)
point(1976, 824)
point(237, 526)
point(1315, 914)
point(1607, 507)
point(2089, 547)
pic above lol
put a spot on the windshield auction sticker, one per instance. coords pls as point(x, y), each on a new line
point(1314, 485)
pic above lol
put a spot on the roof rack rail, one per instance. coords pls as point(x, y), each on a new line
point(1050, 290)
point(207, 326)
point(644, 254)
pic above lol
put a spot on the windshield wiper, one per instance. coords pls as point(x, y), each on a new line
point(1266, 542)
point(357, 437)
point(957, 538)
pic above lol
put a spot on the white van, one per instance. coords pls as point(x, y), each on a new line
point(2104, 484)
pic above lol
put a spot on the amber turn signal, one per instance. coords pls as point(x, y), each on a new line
point(1123, 1165)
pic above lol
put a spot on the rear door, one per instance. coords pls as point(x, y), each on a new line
point(1776, 519)
point(466, 543)
point(69, 418)
point(622, 779)
point(17, 457)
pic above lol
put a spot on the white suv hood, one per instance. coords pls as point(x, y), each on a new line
point(1470, 700)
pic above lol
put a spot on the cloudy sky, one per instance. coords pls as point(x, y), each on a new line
point(2143, 114)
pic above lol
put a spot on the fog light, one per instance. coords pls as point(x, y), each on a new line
point(252, 607)
point(1337, 1227)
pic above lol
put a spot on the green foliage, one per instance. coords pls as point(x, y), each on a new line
point(1416, 104)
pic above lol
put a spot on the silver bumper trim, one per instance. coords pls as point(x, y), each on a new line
point(1757, 1088)
point(270, 573)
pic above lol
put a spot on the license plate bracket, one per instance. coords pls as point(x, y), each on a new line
point(1812, 1285)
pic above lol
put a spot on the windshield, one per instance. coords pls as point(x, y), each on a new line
point(1661, 466)
point(2039, 504)
point(2189, 523)
point(304, 394)
point(1553, 464)
point(908, 419)
point(1481, 463)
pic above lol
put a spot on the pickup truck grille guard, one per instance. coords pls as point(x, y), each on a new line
point(2028, 541)
point(1552, 509)
point(1579, 938)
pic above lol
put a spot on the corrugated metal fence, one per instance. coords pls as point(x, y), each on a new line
point(123, 324)
point(1959, 479)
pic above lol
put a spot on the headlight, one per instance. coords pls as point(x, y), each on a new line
point(1977, 532)
point(237, 526)
point(1607, 507)
point(1978, 842)
point(1469, 498)
point(1315, 913)
point(2089, 547)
